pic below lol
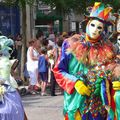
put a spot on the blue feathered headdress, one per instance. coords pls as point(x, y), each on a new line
point(5, 45)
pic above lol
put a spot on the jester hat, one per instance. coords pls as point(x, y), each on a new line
point(99, 11)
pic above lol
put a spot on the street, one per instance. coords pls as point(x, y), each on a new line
point(43, 107)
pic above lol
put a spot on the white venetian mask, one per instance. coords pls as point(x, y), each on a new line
point(94, 29)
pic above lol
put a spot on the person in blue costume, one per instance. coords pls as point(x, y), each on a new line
point(81, 70)
point(11, 107)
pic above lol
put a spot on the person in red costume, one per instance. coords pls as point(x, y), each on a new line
point(82, 70)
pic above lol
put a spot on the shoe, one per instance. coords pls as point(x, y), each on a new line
point(43, 94)
point(37, 92)
point(33, 93)
point(53, 95)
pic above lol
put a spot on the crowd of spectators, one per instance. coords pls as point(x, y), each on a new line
point(41, 56)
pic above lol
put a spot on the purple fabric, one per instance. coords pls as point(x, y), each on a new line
point(11, 108)
point(88, 116)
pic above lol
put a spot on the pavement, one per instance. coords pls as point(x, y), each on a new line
point(43, 107)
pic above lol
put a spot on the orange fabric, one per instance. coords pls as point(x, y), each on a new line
point(91, 40)
point(78, 116)
point(66, 117)
point(63, 82)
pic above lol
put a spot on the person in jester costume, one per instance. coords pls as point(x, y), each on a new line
point(83, 70)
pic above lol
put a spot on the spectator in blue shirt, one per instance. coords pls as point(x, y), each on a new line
point(43, 70)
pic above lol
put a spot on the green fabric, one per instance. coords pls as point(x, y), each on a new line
point(79, 68)
point(117, 101)
point(73, 101)
point(98, 86)
point(100, 9)
point(111, 114)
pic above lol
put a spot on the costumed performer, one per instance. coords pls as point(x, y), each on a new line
point(11, 107)
point(116, 73)
point(80, 70)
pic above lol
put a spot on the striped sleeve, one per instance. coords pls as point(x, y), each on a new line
point(61, 73)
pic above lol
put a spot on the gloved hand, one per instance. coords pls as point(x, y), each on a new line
point(2, 90)
point(116, 85)
point(81, 88)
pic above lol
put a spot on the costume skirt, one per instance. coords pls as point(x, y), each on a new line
point(11, 107)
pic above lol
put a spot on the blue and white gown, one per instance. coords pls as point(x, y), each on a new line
point(11, 107)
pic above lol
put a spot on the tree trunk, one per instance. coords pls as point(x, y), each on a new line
point(24, 26)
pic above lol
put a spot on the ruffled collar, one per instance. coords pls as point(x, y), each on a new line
point(88, 39)
point(85, 51)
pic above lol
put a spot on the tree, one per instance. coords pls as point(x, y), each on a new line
point(79, 6)
point(22, 5)
point(65, 6)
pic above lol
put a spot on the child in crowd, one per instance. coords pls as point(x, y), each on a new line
point(43, 70)
point(50, 54)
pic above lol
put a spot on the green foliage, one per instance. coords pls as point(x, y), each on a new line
point(9, 1)
point(116, 5)
point(65, 6)
point(79, 6)
point(21, 3)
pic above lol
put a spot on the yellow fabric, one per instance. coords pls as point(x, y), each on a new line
point(81, 88)
point(77, 116)
point(108, 91)
point(117, 88)
point(2, 90)
point(116, 85)
point(107, 10)
point(97, 4)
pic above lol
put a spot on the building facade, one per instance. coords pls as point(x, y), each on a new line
point(9, 20)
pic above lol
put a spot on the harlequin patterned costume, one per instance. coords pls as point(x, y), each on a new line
point(84, 60)
point(71, 67)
